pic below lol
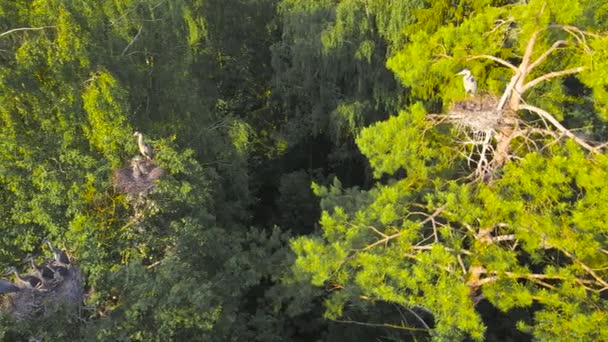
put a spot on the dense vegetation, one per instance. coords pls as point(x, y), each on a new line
point(317, 187)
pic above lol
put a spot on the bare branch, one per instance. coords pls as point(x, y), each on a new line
point(550, 76)
point(545, 115)
point(523, 67)
point(499, 24)
point(25, 29)
point(377, 231)
point(578, 34)
point(509, 237)
point(429, 247)
point(381, 241)
point(508, 90)
point(546, 54)
point(464, 269)
point(572, 29)
point(132, 41)
point(418, 317)
point(495, 59)
point(586, 268)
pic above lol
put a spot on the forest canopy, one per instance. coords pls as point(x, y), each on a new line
point(310, 170)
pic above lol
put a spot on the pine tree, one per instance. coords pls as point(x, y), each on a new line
point(512, 217)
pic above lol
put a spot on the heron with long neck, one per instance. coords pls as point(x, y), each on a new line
point(29, 281)
point(60, 256)
point(144, 148)
point(60, 271)
point(44, 272)
point(138, 167)
point(8, 287)
point(469, 82)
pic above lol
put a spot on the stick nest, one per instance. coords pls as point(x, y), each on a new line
point(139, 178)
point(478, 114)
point(31, 303)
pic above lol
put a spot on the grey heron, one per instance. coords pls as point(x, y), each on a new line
point(28, 280)
point(144, 148)
point(8, 287)
point(62, 271)
point(470, 84)
point(60, 257)
point(44, 272)
point(136, 166)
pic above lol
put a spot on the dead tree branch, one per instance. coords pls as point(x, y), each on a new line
point(132, 41)
point(550, 75)
point(546, 54)
point(545, 115)
point(495, 59)
point(25, 29)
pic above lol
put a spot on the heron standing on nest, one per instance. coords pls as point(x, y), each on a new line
point(28, 280)
point(60, 257)
point(144, 148)
point(44, 272)
point(470, 84)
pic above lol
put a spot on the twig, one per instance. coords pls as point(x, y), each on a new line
point(509, 237)
point(429, 247)
point(390, 237)
point(153, 265)
point(132, 41)
point(377, 231)
point(418, 317)
point(381, 325)
point(25, 29)
point(586, 268)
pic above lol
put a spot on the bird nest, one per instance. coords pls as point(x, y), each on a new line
point(30, 303)
point(478, 114)
point(139, 178)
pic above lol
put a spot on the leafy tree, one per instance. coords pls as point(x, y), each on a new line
point(76, 79)
point(516, 220)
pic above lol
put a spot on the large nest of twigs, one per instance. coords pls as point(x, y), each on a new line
point(29, 303)
point(139, 178)
point(478, 114)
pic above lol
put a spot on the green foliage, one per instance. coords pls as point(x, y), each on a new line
point(157, 265)
point(331, 60)
point(106, 130)
point(246, 103)
point(531, 238)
